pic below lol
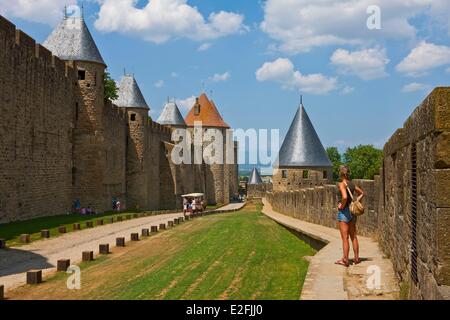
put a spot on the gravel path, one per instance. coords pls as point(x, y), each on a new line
point(44, 254)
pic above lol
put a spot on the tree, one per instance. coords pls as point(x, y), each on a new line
point(364, 161)
point(111, 90)
point(336, 159)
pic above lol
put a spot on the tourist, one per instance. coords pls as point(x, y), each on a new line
point(118, 206)
point(347, 221)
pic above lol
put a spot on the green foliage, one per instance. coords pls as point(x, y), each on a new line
point(111, 90)
point(335, 158)
point(364, 161)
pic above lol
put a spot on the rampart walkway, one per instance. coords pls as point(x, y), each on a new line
point(328, 281)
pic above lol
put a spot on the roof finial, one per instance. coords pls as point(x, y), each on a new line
point(65, 12)
point(211, 93)
point(301, 99)
point(82, 11)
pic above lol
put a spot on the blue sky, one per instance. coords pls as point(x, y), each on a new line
point(359, 85)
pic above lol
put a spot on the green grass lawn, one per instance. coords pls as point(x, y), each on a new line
point(242, 255)
point(12, 231)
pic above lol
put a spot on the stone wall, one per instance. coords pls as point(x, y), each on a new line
point(286, 179)
point(37, 95)
point(60, 141)
point(258, 190)
point(409, 202)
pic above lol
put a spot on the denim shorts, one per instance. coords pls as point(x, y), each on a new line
point(345, 215)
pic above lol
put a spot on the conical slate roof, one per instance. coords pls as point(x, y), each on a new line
point(71, 40)
point(208, 115)
point(302, 146)
point(255, 177)
point(130, 96)
point(171, 115)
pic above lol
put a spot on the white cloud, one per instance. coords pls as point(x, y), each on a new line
point(367, 64)
point(282, 71)
point(299, 25)
point(424, 57)
point(42, 11)
point(186, 104)
point(220, 77)
point(162, 20)
point(204, 46)
point(347, 90)
point(448, 70)
point(414, 86)
point(159, 84)
point(174, 74)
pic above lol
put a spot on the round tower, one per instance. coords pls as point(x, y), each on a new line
point(72, 42)
point(131, 99)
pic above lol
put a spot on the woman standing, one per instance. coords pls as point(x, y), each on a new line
point(346, 221)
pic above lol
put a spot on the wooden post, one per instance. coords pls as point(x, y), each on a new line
point(135, 237)
point(34, 276)
point(45, 234)
point(89, 224)
point(135, 216)
point(120, 242)
point(128, 216)
point(62, 229)
point(76, 226)
point(2, 243)
point(145, 232)
point(2, 292)
point(25, 238)
point(63, 265)
point(100, 222)
point(162, 226)
point(154, 229)
point(170, 224)
point(104, 249)
point(119, 219)
point(181, 219)
point(88, 255)
point(110, 220)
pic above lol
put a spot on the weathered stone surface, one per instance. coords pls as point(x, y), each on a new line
point(63, 265)
point(45, 234)
point(135, 237)
point(88, 256)
point(34, 276)
point(103, 248)
point(25, 238)
point(62, 229)
point(120, 242)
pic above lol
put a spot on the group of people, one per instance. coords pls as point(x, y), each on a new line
point(116, 205)
point(193, 205)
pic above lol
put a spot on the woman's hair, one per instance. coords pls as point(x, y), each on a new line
point(344, 172)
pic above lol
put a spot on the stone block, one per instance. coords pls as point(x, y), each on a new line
point(88, 256)
point(145, 232)
point(443, 246)
point(2, 292)
point(128, 217)
point(110, 220)
point(34, 277)
point(135, 216)
point(180, 219)
point(100, 222)
point(176, 221)
point(154, 229)
point(120, 242)
point(76, 226)
point(63, 265)
point(24, 238)
point(89, 224)
point(103, 248)
point(2, 243)
point(170, 224)
point(119, 219)
point(442, 188)
point(135, 237)
point(45, 234)
point(162, 226)
point(62, 229)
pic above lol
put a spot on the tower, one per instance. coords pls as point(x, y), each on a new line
point(171, 116)
point(72, 42)
point(255, 177)
point(217, 176)
point(138, 161)
point(302, 160)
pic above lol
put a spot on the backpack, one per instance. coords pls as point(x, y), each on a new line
point(356, 207)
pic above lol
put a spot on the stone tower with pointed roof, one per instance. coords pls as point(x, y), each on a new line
point(255, 177)
point(302, 160)
point(132, 101)
point(219, 178)
point(72, 42)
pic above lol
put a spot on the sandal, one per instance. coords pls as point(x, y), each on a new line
point(342, 263)
point(356, 261)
